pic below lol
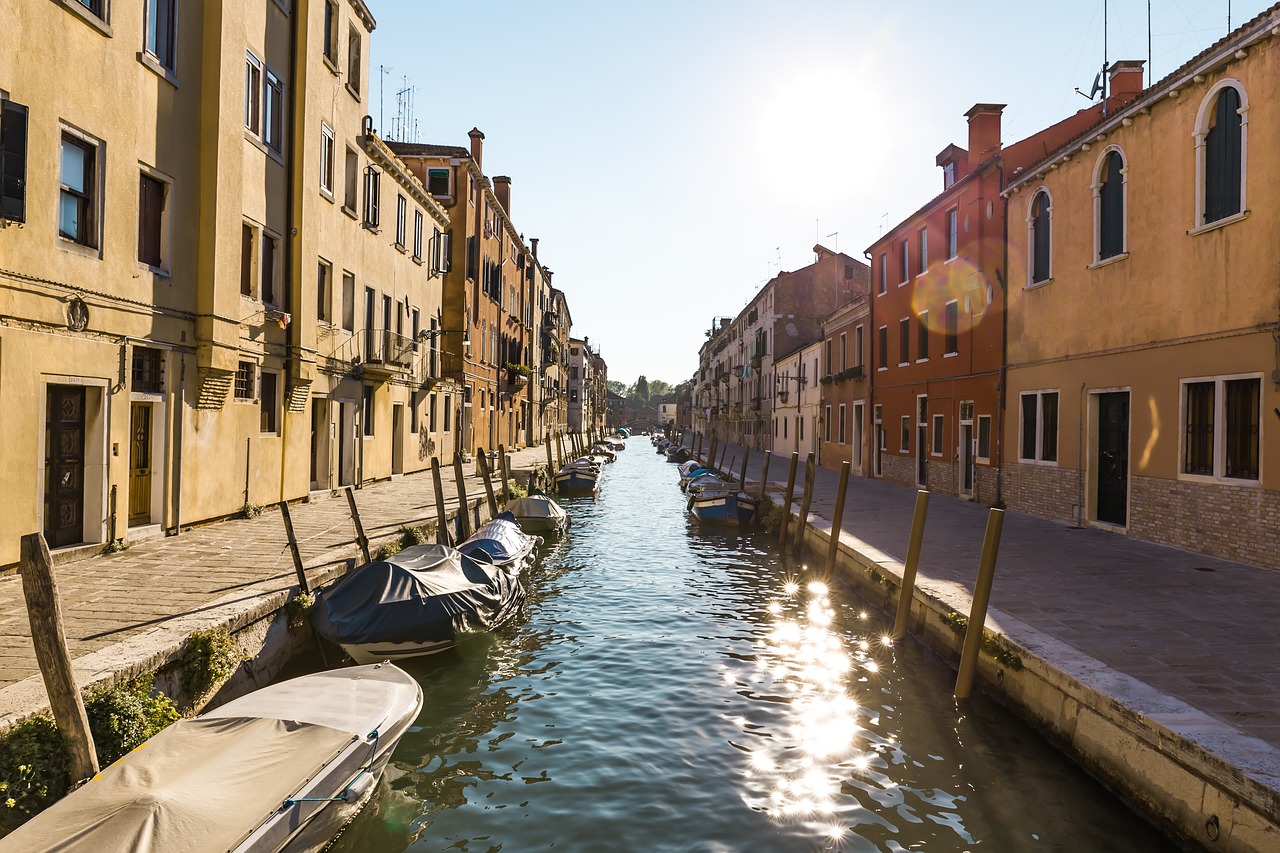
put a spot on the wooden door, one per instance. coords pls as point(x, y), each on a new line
point(140, 463)
point(1113, 457)
point(64, 465)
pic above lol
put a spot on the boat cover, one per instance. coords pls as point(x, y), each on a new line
point(535, 506)
point(418, 595)
point(501, 539)
point(201, 784)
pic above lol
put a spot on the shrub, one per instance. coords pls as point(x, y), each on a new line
point(410, 536)
point(515, 491)
point(388, 550)
point(250, 510)
point(769, 514)
point(33, 769)
point(298, 608)
point(124, 715)
point(211, 658)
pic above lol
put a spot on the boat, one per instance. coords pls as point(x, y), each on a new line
point(422, 600)
point(283, 768)
point(676, 453)
point(581, 475)
point(696, 469)
point(538, 513)
point(604, 451)
point(502, 541)
point(716, 501)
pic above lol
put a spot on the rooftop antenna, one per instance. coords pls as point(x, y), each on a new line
point(1099, 86)
point(384, 70)
point(835, 246)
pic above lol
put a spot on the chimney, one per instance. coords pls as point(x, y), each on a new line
point(502, 189)
point(533, 243)
point(477, 146)
point(984, 132)
point(1124, 78)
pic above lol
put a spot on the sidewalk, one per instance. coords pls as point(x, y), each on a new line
point(121, 612)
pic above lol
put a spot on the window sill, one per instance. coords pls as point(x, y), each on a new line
point(349, 211)
point(158, 68)
point(327, 195)
point(354, 93)
point(922, 360)
point(257, 142)
point(1215, 480)
point(400, 247)
point(1221, 223)
point(904, 364)
point(79, 10)
point(1036, 285)
point(331, 65)
point(881, 369)
point(950, 259)
point(371, 228)
point(417, 260)
point(904, 282)
point(1105, 262)
point(158, 272)
point(950, 354)
point(1043, 463)
point(69, 245)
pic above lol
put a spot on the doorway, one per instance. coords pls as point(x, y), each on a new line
point(922, 441)
point(346, 443)
point(321, 440)
point(1113, 458)
point(64, 465)
point(965, 449)
point(397, 439)
point(139, 464)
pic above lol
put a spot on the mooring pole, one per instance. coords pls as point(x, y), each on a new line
point(361, 539)
point(764, 474)
point(981, 598)
point(502, 471)
point(746, 457)
point(442, 516)
point(40, 588)
point(293, 547)
point(837, 519)
point(488, 483)
point(723, 448)
point(710, 460)
point(786, 501)
point(464, 508)
point(907, 594)
point(810, 481)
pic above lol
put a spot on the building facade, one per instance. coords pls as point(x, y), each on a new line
point(844, 391)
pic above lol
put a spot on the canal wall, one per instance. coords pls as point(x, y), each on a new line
point(1197, 778)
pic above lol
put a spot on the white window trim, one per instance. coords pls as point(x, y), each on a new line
point(904, 248)
point(876, 357)
point(1098, 167)
point(98, 188)
point(922, 244)
point(256, 113)
point(937, 426)
point(904, 322)
point(977, 433)
point(1035, 459)
point(883, 287)
point(1219, 430)
point(329, 166)
point(842, 435)
point(149, 58)
point(951, 256)
point(1200, 134)
point(1031, 239)
point(956, 351)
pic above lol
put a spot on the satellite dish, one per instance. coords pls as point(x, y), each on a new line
point(1097, 87)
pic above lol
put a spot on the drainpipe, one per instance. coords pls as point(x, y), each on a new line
point(177, 450)
point(870, 367)
point(1004, 339)
point(293, 333)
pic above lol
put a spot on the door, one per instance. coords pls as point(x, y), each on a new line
point(320, 434)
point(346, 444)
point(139, 464)
point(397, 439)
point(966, 460)
point(922, 442)
point(64, 465)
point(1113, 457)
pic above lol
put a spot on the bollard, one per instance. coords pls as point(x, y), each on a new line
point(764, 474)
point(504, 475)
point(361, 539)
point(293, 547)
point(837, 519)
point(810, 480)
point(981, 598)
point(487, 477)
point(786, 501)
point(908, 591)
point(746, 457)
point(464, 508)
point(442, 516)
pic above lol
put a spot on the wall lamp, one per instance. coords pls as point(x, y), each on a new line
point(431, 334)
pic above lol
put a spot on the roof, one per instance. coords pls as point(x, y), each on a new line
point(424, 149)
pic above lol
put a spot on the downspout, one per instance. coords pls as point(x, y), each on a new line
point(293, 331)
point(1080, 457)
point(870, 369)
point(1004, 339)
point(179, 435)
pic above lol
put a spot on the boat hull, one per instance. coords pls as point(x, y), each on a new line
point(731, 509)
point(577, 481)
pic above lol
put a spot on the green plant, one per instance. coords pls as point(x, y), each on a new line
point(211, 658)
point(522, 369)
point(410, 536)
point(994, 645)
point(515, 491)
point(115, 546)
point(250, 510)
point(769, 514)
point(125, 714)
point(298, 608)
point(388, 550)
point(33, 769)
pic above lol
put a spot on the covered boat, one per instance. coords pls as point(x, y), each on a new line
point(581, 475)
point(716, 501)
point(281, 769)
point(538, 513)
point(502, 541)
point(423, 600)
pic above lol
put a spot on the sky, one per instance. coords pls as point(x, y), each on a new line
point(671, 157)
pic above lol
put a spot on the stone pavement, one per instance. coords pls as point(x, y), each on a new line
point(1197, 628)
point(119, 609)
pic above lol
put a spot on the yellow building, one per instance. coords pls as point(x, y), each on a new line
point(1143, 391)
point(174, 267)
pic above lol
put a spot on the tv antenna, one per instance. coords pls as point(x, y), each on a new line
point(403, 126)
point(1099, 87)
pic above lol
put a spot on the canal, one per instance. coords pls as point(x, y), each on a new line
point(670, 689)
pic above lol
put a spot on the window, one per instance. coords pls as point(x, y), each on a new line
point(904, 256)
point(253, 94)
point(273, 115)
point(431, 413)
point(826, 424)
point(372, 190)
point(857, 346)
point(844, 352)
point(326, 159)
point(248, 242)
point(984, 437)
point(159, 34)
point(951, 344)
point(1040, 426)
point(438, 183)
point(922, 336)
point(923, 251)
point(884, 348)
point(353, 172)
point(905, 443)
point(830, 367)
point(146, 372)
point(353, 61)
point(324, 290)
point(331, 31)
point(448, 409)
point(152, 222)
point(367, 409)
point(267, 287)
point(348, 301)
point(1221, 424)
point(904, 341)
point(77, 196)
point(953, 233)
point(94, 6)
point(1109, 193)
point(884, 274)
point(841, 425)
point(938, 421)
point(857, 436)
point(402, 216)
point(1039, 224)
point(245, 374)
point(948, 174)
point(268, 405)
point(440, 246)
point(13, 161)
point(417, 235)
point(1222, 142)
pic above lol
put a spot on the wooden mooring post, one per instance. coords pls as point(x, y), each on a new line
point(551, 467)
point(504, 474)
point(908, 591)
point(810, 480)
point(361, 539)
point(837, 519)
point(40, 588)
point(483, 459)
point(442, 516)
point(975, 629)
point(293, 547)
point(746, 457)
point(764, 474)
point(464, 509)
point(786, 500)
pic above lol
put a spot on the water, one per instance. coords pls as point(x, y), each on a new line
point(670, 689)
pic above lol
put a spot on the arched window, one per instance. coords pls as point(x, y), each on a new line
point(1040, 224)
point(1222, 157)
point(1111, 206)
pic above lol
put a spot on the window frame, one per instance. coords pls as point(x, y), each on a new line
point(90, 198)
point(951, 329)
point(166, 55)
point(842, 425)
point(269, 406)
point(904, 249)
point(1204, 116)
point(904, 341)
point(328, 154)
point(953, 233)
point(324, 291)
point(922, 249)
point(978, 438)
point(402, 220)
point(884, 274)
point(270, 274)
point(355, 49)
point(922, 337)
point(1101, 179)
point(273, 100)
point(1221, 429)
point(333, 25)
point(937, 443)
point(1033, 255)
point(15, 152)
point(904, 439)
point(244, 384)
point(418, 221)
point(883, 345)
point(1038, 455)
point(371, 213)
point(254, 71)
point(164, 239)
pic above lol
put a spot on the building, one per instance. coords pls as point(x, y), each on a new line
point(581, 365)
point(598, 391)
point(936, 310)
point(845, 390)
point(667, 411)
point(1144, 377)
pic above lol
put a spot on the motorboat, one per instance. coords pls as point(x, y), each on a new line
point(503, 541)
point(283, 768)
point(689, 474)
point(581, 475)
point(604, 452)
point(677, 453)
point(716, 501)
point(422, 600)
point(538, 513)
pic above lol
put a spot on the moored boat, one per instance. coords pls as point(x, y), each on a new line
point(504, 542)
point(538, 513)
point(580, 476)
point(729, 506)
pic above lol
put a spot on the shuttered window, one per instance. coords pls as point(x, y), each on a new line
point(1111, 208)
point(1223, 155)
point(1040, 238)
point(151, 194)
point(13, 161)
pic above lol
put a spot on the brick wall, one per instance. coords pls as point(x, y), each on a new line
point(1234, 522)
point(899, 469)
point(1040, 490)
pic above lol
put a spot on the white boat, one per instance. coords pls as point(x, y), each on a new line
point(538, 513)
point(281, 769)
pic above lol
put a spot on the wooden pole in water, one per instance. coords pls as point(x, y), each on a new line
point(746, 457)
point(786, 500)
point(764, 474)
point(40, 588)
point(559, 452)
point(981, 598)
point(810, 480)
point(504, 474)
point(837, 519)
point(464, 508)
point(293, 547)
point(483, 459)
point(710, 460)
point(699, 453)
point(907, 593)
point(551, 466)
point(442, 516)
point(720, 467)
point(361, 539)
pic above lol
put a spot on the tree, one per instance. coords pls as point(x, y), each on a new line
point(617, 387)
point(657, 391)
point(642, 388)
